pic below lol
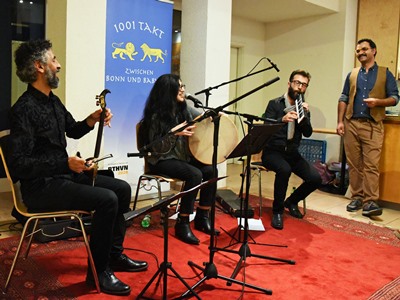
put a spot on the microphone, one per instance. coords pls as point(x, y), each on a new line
point(274, 65)
point(197, 102)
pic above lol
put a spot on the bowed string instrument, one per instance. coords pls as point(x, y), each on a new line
point(101, 101)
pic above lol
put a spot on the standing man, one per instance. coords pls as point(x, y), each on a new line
point(281, 154)
point(367, 91)
point(53, 180)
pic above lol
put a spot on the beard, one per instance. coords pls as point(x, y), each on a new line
point(292, 93)
point(52, 78)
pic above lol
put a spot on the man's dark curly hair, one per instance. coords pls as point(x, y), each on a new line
point(26, 55)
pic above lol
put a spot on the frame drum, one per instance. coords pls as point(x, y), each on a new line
point(201, 142)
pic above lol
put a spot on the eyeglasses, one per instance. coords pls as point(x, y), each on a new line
point(362, 49)
point(300, 84)
point(182, 86)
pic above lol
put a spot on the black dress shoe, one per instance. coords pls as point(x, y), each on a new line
point(277, 221)
point(109, 283)
point(293, 210)
point(124, 264)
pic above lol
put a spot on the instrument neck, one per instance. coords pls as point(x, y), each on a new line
point(99, 134)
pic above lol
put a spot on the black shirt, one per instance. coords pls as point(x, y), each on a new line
point(39, 126)
point(279, 141)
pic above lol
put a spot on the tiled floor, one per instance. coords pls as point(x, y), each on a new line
point(318, 200)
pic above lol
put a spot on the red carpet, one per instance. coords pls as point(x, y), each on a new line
point(335, 258)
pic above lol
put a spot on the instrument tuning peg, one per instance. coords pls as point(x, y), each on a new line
point(97, 103)
point(97, 97)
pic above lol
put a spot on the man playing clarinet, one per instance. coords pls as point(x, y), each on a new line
point(281, 154)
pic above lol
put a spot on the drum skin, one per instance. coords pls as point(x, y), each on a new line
point(201, 142)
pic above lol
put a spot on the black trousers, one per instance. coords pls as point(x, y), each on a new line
point(109, 199)
point(193, 174)
point(284, 164)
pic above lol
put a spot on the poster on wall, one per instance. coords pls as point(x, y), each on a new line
point(138, 51)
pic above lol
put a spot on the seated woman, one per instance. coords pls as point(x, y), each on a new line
point(166, 111)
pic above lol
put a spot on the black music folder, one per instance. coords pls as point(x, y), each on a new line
point(256, 140)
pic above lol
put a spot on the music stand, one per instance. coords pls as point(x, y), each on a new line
point(256, 140)
point(251, 144)
point(166, 265)
point(210, 270)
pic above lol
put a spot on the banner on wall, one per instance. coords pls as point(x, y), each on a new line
point(138, 51)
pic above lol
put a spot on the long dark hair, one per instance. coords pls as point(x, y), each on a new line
point(162, 110)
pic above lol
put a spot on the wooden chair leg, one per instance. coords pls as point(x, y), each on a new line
point(89, 253)
point(21, 241)
point(28, 247)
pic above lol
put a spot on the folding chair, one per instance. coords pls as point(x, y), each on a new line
point(257, 166)
point(35, 217)
point(145, 180)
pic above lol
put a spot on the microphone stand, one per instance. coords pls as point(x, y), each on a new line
point(210, 270)
point(207, 90)
point(143, 151)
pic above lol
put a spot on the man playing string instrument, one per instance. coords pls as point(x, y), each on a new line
point(52, 180)
point(281, 154)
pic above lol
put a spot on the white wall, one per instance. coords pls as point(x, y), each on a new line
point(249, 37)
point(205, 54)
point(323, 45)
point(77, 30)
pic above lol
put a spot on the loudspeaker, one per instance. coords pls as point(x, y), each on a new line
point(231, 203)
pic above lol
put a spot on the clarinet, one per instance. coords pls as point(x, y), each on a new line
point(299, 108)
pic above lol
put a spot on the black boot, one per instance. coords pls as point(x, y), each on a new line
point(202, 221)
point(183, 231)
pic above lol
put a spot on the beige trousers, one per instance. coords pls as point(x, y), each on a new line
point(363, 141)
